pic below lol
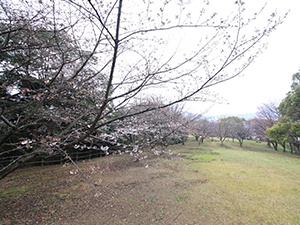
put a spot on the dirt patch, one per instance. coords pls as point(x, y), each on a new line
point(118, 191)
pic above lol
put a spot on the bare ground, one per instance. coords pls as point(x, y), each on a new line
point(117, 191)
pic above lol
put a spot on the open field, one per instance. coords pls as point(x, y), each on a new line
point(206, 184)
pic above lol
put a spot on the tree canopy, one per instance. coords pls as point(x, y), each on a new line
point(287, 128)
point(291, 104)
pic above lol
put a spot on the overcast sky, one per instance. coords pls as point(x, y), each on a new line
point(269, 78)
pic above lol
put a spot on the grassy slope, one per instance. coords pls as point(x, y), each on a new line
point(207, 184)
point(246, 186)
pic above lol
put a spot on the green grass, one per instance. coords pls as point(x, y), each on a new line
point(14, 191)
point(250, 185)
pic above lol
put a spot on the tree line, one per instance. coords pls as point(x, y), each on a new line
point(276, 124)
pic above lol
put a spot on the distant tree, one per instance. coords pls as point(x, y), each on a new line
point(223, 129)
point(267, 115)
point(162, 127)
point(269, 111)
point(232, 127)
point(240, 130)
point(200, 128)
point(279, 133)
point(258, 128)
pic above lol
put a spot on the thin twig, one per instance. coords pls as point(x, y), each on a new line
point(177, 216)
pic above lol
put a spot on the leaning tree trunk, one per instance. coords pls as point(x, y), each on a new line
point(275, 145)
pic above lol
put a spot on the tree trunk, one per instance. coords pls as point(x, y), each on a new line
point(297, 148)
point(222, 141)
point(275, 145)
point(283, 146)
point(268, 143)
point(291, 148)
point(241, 142)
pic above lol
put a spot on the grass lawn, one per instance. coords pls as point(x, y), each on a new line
point(197, 184)
point(246, 186)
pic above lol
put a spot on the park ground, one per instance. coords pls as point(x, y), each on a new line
point(188, 184)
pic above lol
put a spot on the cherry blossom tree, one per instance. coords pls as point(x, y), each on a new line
point(71, 69)
point(201, 128)
point(223, 129)
point(267, 116)
point(163, 126)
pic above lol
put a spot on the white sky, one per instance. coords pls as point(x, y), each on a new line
point(269, 78)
